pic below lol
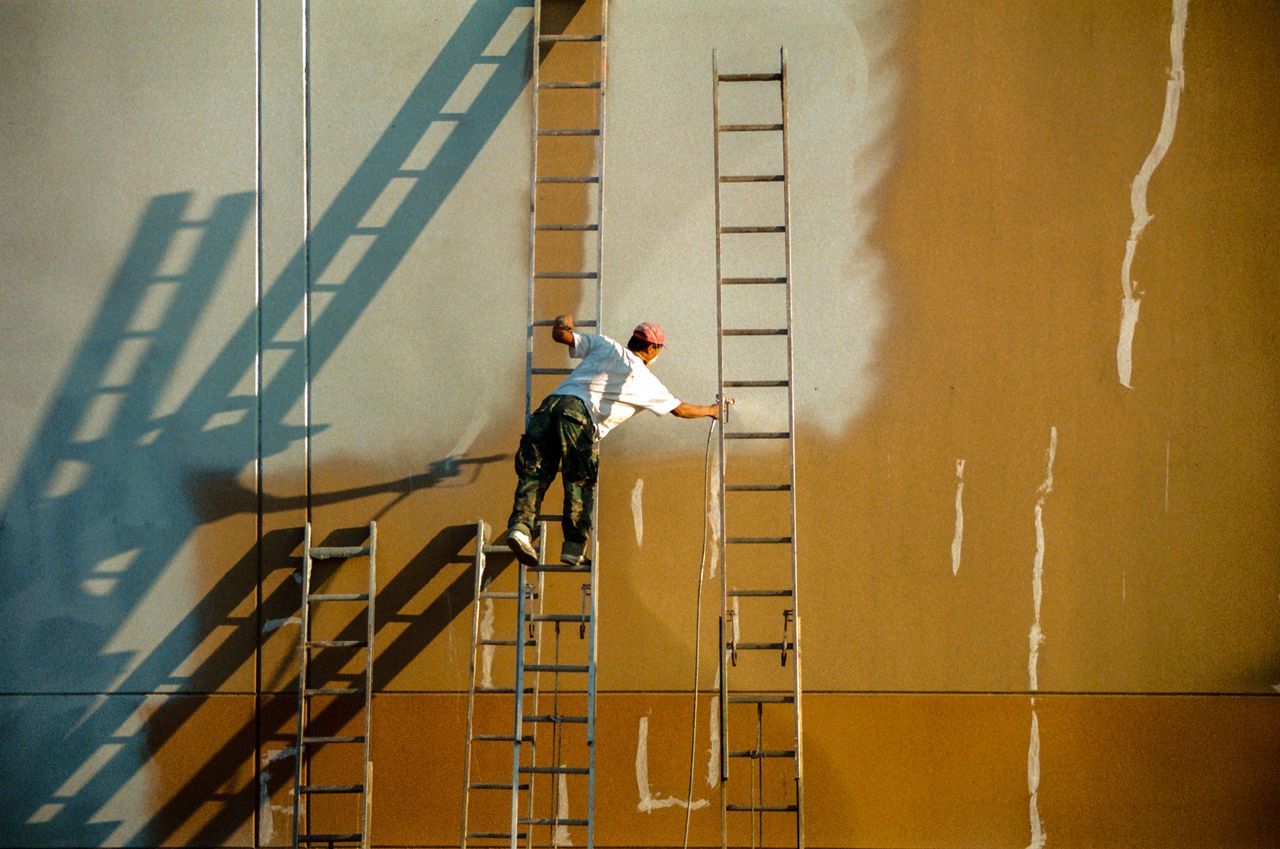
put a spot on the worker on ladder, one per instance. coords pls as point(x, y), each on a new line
point(609, 386)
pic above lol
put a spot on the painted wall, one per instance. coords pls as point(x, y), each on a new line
point(1041, 607)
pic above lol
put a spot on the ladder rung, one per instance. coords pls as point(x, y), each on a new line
point(759, 593)
point(338, 644)
point(749, 128)
point(765, 809)
point(332, 691)
point(748, 434)
point(754, 331)
point(496, 549)
point(331, 788)
point(744, 281)
point(763, 753)
point(334, 552)
point(338, 597)
point(560, 617)
point(555, 770)
point(309, 740)
point(500, 595)
point(750, 78)
point(571, 131)
point(496, 785)
point(560, 567)
point(556, 667)
point(753, 178)
point(762, 698)
point(757, 487)
point(593, 178)
point(566, 275)
point(330, 838)
point(575, 228)
point(566, 719)
point(562, 84)
point(755, 228)
point(504, 642)
point(551, 371)
point(758, 540)
point(757, 384)
point(565, 37)
point(552, 821)
point(493, 835)
point(758, 646)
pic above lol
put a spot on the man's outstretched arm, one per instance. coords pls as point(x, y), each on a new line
point(694, 411)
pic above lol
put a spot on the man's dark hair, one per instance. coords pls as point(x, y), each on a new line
point(636, 344)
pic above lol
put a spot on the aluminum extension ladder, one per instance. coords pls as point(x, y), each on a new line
point(553, 98)
point(561, 185)
point(341, 645)
point(760, 719)
point(508, 711)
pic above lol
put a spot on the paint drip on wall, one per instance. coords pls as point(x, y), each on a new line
point(637, 510)
point(1036, 638)
point(957, 538)
point(1138, 193)
point(648, 801)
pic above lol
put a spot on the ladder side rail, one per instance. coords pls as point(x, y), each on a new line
point(592, 645)
point(791, 445)
point(539, 589)
point(517, 725)
point(600, 117)
point(479, 564)
point(724, 565)
point(592, 642)
point(305, 622)
point(535, 57)
point(367, 793)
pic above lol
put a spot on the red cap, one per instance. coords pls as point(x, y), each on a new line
point(650, 332)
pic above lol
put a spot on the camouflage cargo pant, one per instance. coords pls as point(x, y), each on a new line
point(560, 437)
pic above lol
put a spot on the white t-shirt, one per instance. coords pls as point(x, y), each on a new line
point(614, 383)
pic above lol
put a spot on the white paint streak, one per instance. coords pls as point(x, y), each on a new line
point(1033, 784)
point(267, 811)
point(1167, 451)
point(648, 801)
point(958, 538)
point(1036, 638)
point(561, 835)
point(1037, 572)
point(713, 721)
point(713, 513)
point(486, 653)
point(637, 510)
point(276, 624)
point(1138, 193)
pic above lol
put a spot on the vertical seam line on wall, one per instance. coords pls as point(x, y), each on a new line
point(306, 244)
point(257, 393)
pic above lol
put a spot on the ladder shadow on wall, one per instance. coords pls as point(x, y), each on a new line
point(118, 481)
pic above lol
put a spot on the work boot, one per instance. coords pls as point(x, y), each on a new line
point(520, 544)
point(572, 553)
